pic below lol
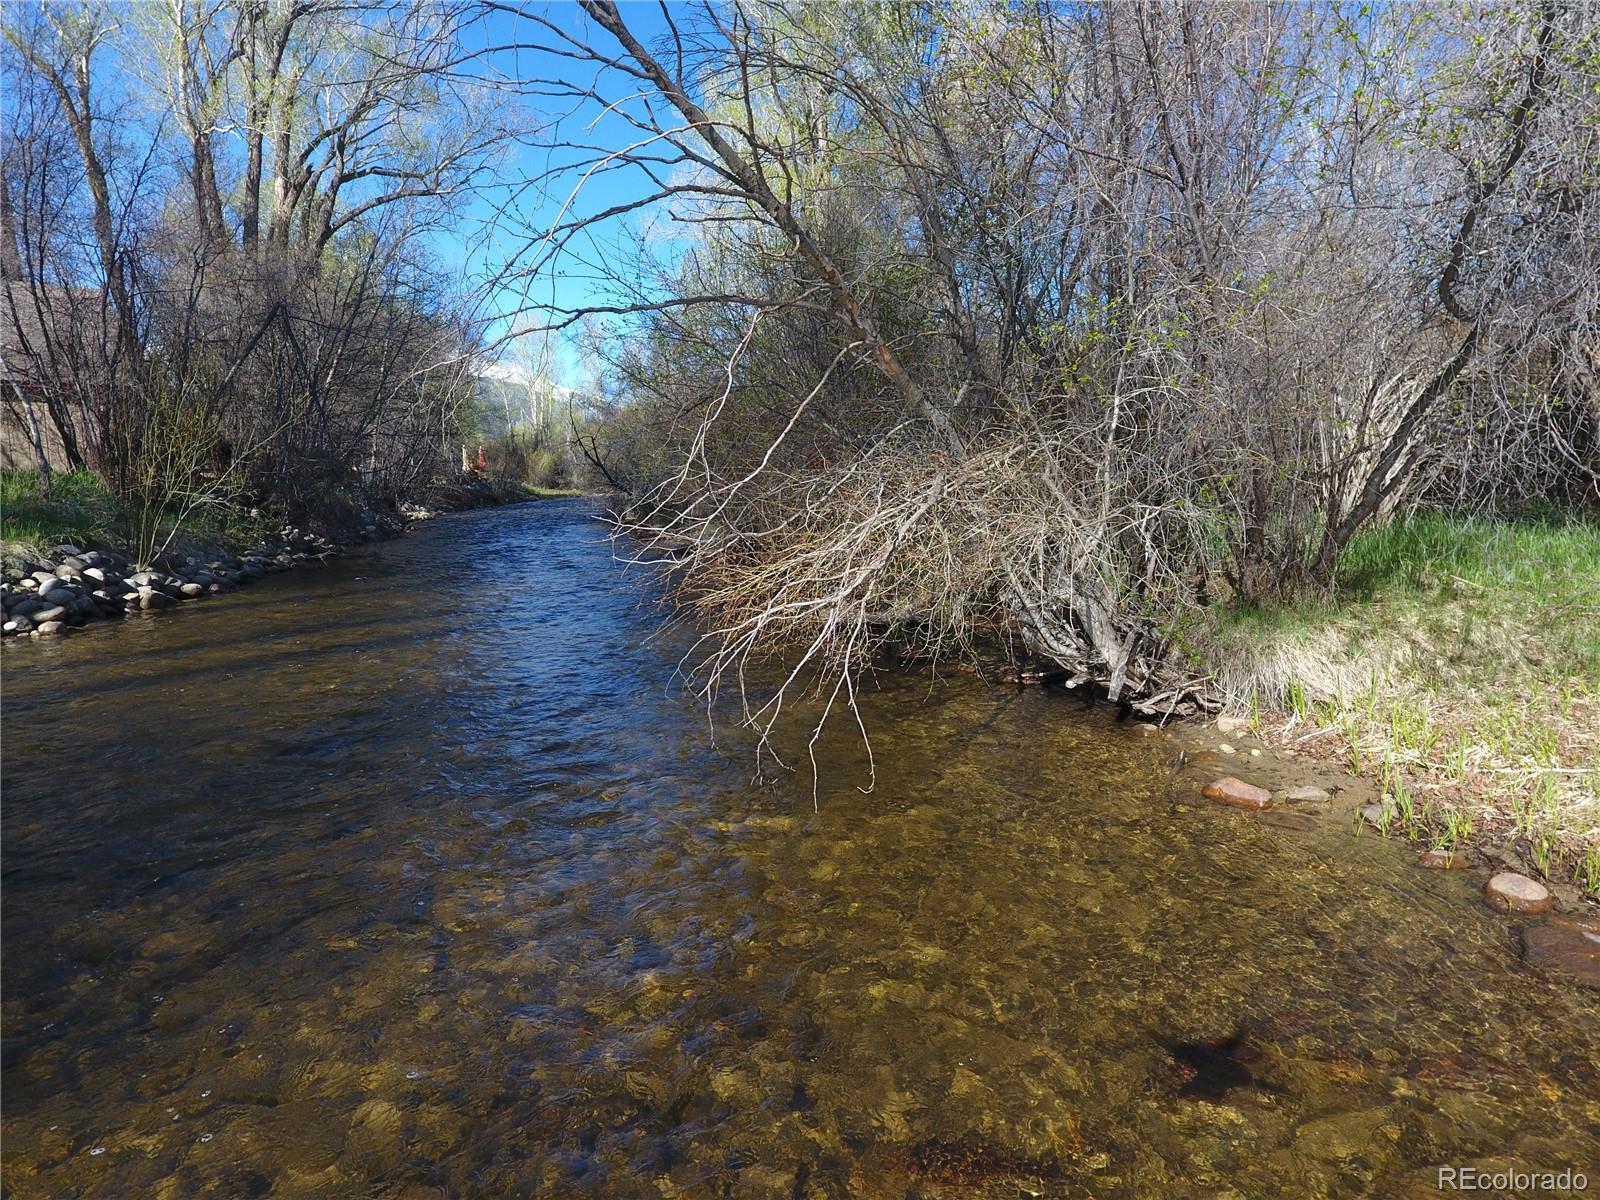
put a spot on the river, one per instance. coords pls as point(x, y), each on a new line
point(418, 875)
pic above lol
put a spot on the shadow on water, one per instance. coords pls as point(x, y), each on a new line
point(415, 876)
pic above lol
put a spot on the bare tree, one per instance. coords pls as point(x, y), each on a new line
point(1059, 321)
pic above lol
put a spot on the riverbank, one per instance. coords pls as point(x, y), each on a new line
point(1456, 668)
point(1232, 764)
point(66, 562)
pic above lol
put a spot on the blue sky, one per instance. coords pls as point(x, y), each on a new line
point(483, 239)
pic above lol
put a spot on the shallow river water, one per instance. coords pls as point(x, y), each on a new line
point(417, 876)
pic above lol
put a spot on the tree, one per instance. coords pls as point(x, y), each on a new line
point(1058, 320)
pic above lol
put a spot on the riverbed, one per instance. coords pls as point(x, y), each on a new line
point(420, 875)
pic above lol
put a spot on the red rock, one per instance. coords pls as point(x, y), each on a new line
point(1236, 792)
point(1442, 860)
point(1511, 892)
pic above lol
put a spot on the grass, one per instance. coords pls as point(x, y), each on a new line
point(1458, 663)
point(79, 509)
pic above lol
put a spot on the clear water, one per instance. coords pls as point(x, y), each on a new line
point(416, 876)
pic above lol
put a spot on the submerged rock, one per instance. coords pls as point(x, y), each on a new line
point(1306, 795)
point(1442, 860)
point(1284, 820)
point(1570, 945)
point(1212, 1067)
point(1511, 892)
point(1237, 793)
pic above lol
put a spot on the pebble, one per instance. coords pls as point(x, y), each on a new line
point(1225, 748)
point(1510, 892)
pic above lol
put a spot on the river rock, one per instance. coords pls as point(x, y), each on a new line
point(1510, 892)
point(53, 584)
point(150, 598)
point(1376, 815)
point(1306, 795)
point(70, 569)
point(1567, 944)
point(1283, 820)
point(48, 627)
point(51, 612)
point(42, 576)
point(1442, 860)
point(1232, 725)
point(192, 590)
point(18, 624)
point(1237, 793)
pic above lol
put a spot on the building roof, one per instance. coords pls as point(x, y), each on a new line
point(50, 330)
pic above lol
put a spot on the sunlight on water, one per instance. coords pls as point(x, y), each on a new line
point(358, 885)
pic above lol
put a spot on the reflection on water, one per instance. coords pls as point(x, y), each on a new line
point(416, 877)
